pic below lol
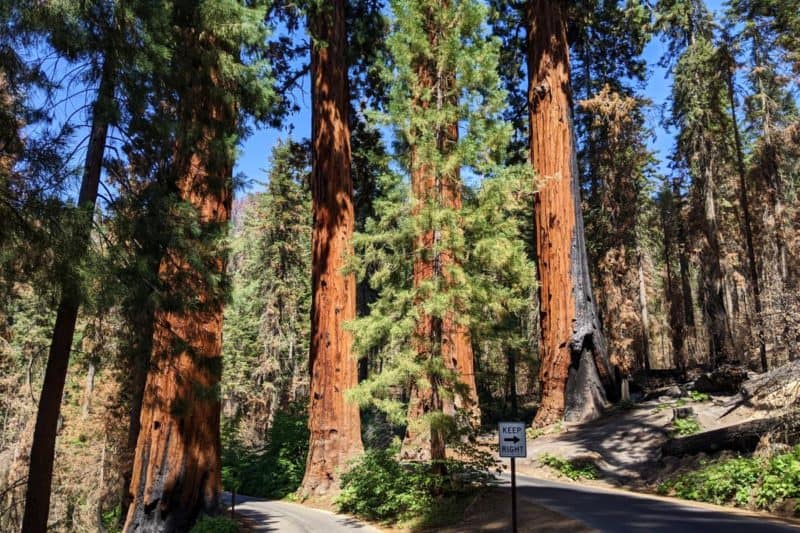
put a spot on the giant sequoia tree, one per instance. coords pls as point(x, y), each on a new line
point(176, 472)
point(575, 374)
point(433, 285)
point(334, 422)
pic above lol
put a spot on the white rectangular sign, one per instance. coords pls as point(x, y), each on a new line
point(512, 439)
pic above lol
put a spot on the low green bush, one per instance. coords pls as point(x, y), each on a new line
point(215, 524)
point(697, 396)
point(379, 487)
point(685, 426)
point(742, 481)
point(573, 469)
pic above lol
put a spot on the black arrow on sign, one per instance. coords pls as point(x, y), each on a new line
point(515, 439)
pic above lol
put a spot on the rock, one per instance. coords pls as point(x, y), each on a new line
point(726, 380)
point(682, 412)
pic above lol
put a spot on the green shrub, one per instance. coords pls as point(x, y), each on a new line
point(573, 469)
point(697, 396)
point(379, 487)
point(111, 519)
point(215, 524)
point(742, 481)
point(685, 426)
point(274, 471)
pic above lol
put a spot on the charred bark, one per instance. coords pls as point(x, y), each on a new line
point(139, 350)
point(575, 374)
point(334, 422)
point(40, 474)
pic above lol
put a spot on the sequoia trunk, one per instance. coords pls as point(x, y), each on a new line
point(334, 422)
point(437, 337)
point(575, 374)
point(40, 474)
point(176, 469)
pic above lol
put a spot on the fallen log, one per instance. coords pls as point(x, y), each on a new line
point(742, 437)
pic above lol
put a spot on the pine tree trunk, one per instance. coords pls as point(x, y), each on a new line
point(40, 474)
point(575, 374)
point(176, 469)
point(677, 324)
point(88, 391)
point(643, 309)
point(747, 225)
point(334, 422)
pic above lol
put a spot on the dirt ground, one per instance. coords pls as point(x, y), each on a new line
point(625, 445)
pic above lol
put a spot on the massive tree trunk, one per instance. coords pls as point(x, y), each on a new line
point(575, 374)
point(40, 474)
point(334, 422)
point(176, 469)
point(715, 313)
point(437, 337)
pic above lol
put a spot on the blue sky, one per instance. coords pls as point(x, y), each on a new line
point(254, 152)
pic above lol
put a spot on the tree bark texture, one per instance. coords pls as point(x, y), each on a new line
point(715, 313)
point(575, 375)
point(139, 349)
point(747, 224)
point(40, 474)
point(176, 469)
point(334, 422)
point(444, 337)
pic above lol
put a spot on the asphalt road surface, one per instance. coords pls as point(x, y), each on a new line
point(606, 510)
point(269, 515)
point(617, 511)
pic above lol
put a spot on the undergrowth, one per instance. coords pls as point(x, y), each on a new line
point(274, 471)
point(756, 482)
point(682, 427)
point(573, 469)
point(381, 488)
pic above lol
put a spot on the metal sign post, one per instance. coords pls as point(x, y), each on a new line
point(511, 436)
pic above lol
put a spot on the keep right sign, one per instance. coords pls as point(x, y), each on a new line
point(512, 439)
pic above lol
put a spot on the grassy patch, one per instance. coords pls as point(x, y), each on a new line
point(573, 469)
point(696, 396)
point(760, 483)
point(682, 427)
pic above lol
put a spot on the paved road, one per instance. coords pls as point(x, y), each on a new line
point(617, 511)
point(268, 515)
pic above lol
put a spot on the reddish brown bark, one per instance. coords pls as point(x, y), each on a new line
point(176, 469)
point(574, 368)
point(40, 475)
point(334, 422)
point(437, 337)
